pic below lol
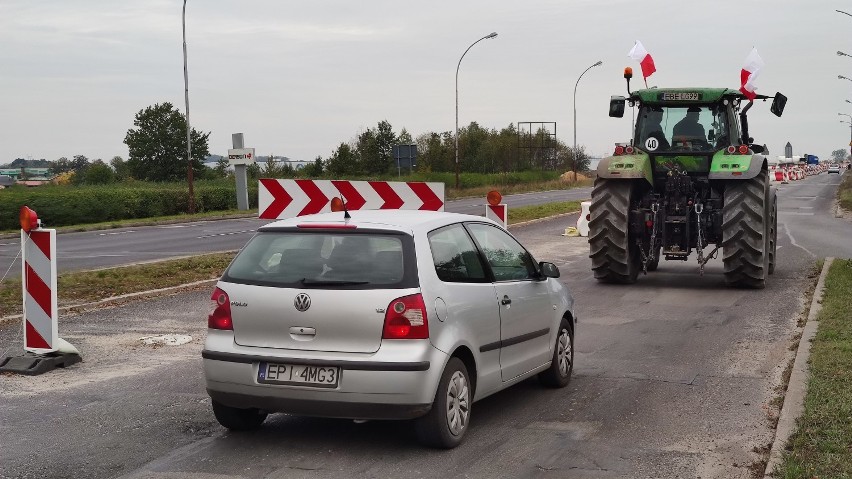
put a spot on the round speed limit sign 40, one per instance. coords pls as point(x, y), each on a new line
point(652, 144)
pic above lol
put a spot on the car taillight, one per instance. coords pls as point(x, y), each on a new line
point(405, 318)
point(220, 312)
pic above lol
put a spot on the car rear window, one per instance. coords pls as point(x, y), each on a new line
point(325, 260)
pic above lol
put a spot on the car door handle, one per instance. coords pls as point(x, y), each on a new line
point(505, 300)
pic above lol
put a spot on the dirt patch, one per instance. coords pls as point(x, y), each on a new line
point(570, 177)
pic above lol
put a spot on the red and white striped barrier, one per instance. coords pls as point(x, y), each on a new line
point(498, 213)
point(44, 350)
point(279, 199)
point(41, 329)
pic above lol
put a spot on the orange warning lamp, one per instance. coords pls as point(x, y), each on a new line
point(494, 197)
point(337, 204)
point(29, 219)
point(628, 73)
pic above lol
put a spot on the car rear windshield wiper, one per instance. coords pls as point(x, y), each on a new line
point(329, 282)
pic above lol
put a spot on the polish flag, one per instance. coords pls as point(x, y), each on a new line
point(750, 71)
point(642, 56)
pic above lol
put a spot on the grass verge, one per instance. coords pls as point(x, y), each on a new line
point(87, 286)
point(844, 193)
point(84, 287)
point(822, 445)
point(528, 213)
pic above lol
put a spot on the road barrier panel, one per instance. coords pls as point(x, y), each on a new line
point(280, 199)
point(44, 350)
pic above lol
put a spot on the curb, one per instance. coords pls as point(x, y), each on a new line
point(794, 398)
point(117, 299)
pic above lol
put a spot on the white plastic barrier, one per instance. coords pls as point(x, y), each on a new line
point(583, 220)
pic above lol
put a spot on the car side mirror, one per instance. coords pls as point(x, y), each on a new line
point(549, 270)
point(616, 106)
point(778, 104)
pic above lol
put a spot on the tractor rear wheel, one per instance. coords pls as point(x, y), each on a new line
point(746, 232)
point(773, 228)
point(615, 257)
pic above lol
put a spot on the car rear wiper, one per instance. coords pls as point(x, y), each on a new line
point(329, 282)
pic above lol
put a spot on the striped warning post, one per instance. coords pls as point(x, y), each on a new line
point(41, 332)
point(498, 213)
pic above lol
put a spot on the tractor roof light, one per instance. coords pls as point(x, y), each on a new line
point(628, 73)
point(29, 219)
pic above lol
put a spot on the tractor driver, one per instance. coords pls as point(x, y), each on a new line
point(653, 128)
point(689, 127)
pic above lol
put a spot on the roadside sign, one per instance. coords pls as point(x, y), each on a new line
point(241, 156)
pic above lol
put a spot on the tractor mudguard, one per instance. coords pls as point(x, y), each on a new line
point(735, 167)
point(626, 167)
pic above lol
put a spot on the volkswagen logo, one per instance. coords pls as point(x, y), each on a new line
point(302, 302)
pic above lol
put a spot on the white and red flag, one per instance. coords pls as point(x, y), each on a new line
point(753, 65)
point(642, 56)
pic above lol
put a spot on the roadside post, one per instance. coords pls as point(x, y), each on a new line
point(44, 350)
point(495, 210)
point(239, 157)
point(583, 219)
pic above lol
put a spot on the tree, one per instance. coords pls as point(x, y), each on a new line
point(60, 166)
point(79, 164)
point(314, 170)
point(838, 155)
point(99, 173)
point(221, 167)
point(344, 161)
point(121, 168)
point(158, 145)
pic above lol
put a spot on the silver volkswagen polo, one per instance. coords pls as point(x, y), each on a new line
point(384, 315)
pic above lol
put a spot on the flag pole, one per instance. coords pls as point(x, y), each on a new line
point(646, 81)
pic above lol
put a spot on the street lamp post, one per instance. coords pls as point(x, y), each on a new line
point(574, 165)
point(186, 98)
point(841, 11)
point(490, 35)
point(841, 77)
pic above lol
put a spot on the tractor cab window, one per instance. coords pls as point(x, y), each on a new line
point(682, 128)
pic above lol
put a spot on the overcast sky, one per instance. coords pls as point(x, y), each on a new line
point(297, 78)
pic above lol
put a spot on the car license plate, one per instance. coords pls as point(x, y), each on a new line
point(299, 374)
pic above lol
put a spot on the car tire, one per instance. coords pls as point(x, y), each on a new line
point(237, 419)
point(558, 375)
point(445, 425)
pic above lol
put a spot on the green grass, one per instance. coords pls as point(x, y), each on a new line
point(528, 213)
point(844, 192)
point(822, 445)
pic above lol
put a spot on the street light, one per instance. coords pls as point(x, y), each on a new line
point(574, 166)
point(850, 129)
point(842, 54)
point(186, 97)
point(490, 35)
point(841, 77)
point(841, 11)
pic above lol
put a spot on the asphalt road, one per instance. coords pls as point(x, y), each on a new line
point(122, 246)
point(675, 377)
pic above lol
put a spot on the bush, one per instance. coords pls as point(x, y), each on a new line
point(72, 205)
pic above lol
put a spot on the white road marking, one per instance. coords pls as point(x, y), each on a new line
point(795, 213)
point(117, 233)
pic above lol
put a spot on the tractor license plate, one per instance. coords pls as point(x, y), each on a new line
point(681, 96)
point(298, 374)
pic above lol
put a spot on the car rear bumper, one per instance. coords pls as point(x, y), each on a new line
point(306, 407)
point(396, 382)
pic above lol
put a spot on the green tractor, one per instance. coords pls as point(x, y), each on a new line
point(692, 177)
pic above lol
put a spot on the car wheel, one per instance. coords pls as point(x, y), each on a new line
point(237, 419)
point(446, 423)
point(558, 375)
